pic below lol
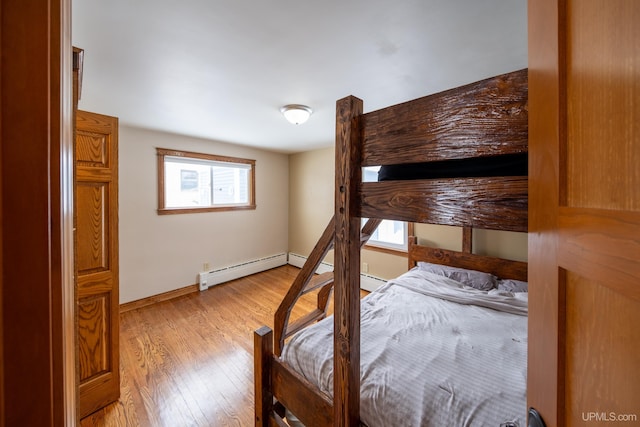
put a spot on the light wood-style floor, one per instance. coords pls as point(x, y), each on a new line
point(189, 361)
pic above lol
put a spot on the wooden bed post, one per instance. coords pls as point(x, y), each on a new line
point(346, 389)
point(263, 349)
point(467, 239)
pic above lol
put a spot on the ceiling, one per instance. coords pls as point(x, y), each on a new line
point(221, 69)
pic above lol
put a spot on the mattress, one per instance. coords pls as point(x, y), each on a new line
point(433, 353)
point(503, 165)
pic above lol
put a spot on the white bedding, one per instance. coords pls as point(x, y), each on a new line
point(429, 361)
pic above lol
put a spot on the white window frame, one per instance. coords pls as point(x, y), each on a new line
point(387, 246)
point(369, 174)
point(197, 160)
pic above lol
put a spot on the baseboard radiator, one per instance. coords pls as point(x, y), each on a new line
point(225, 274)
point(367, 282)
point(299, 260)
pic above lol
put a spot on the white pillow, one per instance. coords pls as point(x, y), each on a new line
point(475, 279)
point(513, 285)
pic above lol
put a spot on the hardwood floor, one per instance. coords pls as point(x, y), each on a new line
point(189, 361)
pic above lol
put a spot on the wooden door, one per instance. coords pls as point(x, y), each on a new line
point(584, 211)
point(96, 217)
point(36, 275)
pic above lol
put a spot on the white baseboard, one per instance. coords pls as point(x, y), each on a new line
point(367, 282)
point(225, 274)
point(299, 260)
point(370, 283)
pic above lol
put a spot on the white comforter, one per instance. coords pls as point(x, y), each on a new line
point(429, 361)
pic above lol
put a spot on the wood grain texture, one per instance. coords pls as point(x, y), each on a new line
point(499, 203)
point(92, 225)
point(35, 127)
point(598, 218)
point(583, 241)
point(91, 149)
point(602, 372)
point(602, 245)
point(545, 360)
point(308, 281)
point(93, 339)
point(189, 360)
point(485, 118)
point(319, 251)
point(262, 368)
point(346, 363)
point(96, 253)
point(603, 100)
point(467, 239)
point(154, 299)
point(295, 392)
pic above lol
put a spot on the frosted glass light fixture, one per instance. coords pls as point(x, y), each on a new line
point(296, 113)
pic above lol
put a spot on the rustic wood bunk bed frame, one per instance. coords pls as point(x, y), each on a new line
point(482, 119)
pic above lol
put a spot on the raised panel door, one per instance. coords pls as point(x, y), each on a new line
point(584, 211)
point(96, 219)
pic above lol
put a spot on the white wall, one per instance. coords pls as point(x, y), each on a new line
point(311, 189)
point(160, 253)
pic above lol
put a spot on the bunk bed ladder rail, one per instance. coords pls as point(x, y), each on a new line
point(307, 281)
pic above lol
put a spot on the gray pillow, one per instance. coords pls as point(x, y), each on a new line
point(475, 279)
point(513, 285)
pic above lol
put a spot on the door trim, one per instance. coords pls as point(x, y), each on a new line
point(70, 363)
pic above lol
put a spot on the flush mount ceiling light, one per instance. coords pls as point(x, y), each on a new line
point(296, 113)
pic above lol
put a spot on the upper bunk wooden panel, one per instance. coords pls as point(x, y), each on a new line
point(496, 203)
point(485, 118)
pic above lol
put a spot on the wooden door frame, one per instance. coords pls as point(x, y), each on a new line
point(37, 333)
point(545, 51)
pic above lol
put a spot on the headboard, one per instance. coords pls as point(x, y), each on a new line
point(499, 267)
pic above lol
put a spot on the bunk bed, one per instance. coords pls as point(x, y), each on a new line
point(466, 150)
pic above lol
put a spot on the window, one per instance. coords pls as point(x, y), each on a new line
point(195, 182)
point(390, 236)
